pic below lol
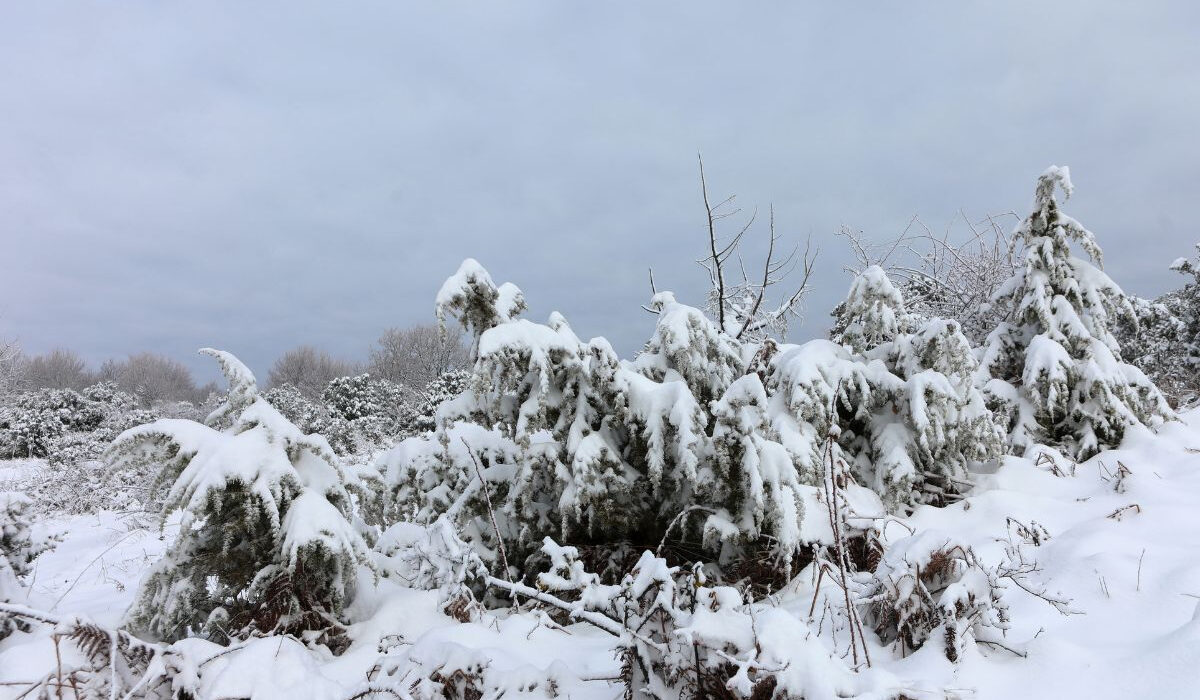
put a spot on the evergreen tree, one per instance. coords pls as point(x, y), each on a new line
point(265, 544)
point(1055, 365)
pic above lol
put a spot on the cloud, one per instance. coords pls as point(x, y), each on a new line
point(174, 175)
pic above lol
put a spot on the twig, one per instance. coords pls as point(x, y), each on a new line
point(81, 573)
point(487, 497)
point(1120, 512)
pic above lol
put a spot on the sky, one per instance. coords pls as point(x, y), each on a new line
point(257, 176)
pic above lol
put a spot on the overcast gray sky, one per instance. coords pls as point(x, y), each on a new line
point(254, 176)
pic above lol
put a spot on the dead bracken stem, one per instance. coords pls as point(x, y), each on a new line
point(1139, 575)
point(487, 499)
point(1123, 510)
point(832, 499)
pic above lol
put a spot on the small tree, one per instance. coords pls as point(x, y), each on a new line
point(1056, 365)
point(741, 307)
point(265, 543)
point(12, 367)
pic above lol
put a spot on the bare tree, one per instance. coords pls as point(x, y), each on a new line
point(738, 299)
point(947, 275)
point(415, 356)
point(152, 378)
point(58, 369)
point(308, 369)
point(12, 367)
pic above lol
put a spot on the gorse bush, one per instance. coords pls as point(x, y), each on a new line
point(265, 544)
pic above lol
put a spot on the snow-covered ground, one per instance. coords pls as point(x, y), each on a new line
point(1123, 547)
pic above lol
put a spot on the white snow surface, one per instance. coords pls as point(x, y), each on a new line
point(1124, 550)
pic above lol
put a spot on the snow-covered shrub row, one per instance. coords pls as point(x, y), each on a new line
point(358, 414)
point(674, 633)
point(699, 439)
point(32, 421)
point(71, 430)
point(709, 443)
point(266, 542)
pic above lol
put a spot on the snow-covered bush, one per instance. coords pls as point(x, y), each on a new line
point(929, 586)
point(1056, 369)
point(445, 387)
point(678, 636)
point(898, 393)
point(573, 443)
point(73, 480)
point(1163, 340)
point(872, 314)
point(355, 414)
point(749, 483)
point(18, 549)
point(688, 346)
point(32, 420)
point(265, 543)
point(309, 416)
point(434, 557)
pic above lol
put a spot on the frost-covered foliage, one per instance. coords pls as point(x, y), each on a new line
point(946, 275)
point(1056, 367)
point(67, 426)
point(18, 549)
point(75, 429)
point(1155, 340)
point(266, 542)
point(929, 586)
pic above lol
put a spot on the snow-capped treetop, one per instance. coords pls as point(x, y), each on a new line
point(687, 345)
point(243, 388)
point(472, 296)
point(1046, 220)
point(873, 313)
